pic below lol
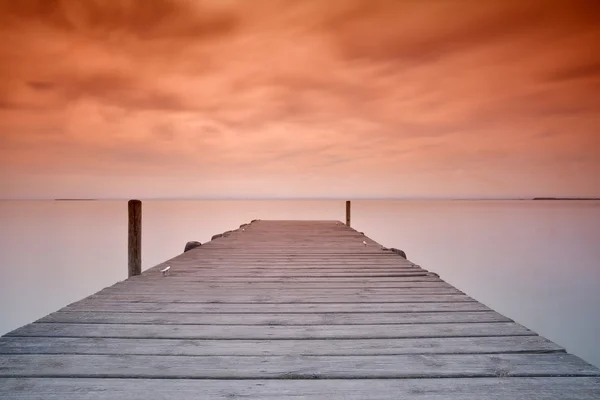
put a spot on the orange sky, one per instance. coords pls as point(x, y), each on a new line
point(312, 98)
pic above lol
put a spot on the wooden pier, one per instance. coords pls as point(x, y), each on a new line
point(286, 309)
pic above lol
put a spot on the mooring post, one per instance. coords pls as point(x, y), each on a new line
point(135, 237)
point(347, 212)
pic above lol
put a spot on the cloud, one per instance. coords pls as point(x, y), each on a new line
point(418, 32)
point(41, 85)
point(159, 19)
point(277, 90)
point(587, 71)
point(122, 91)
point(112, 88)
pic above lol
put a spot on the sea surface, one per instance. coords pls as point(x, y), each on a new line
point(537, 262)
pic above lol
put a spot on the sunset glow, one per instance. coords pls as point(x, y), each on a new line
point(275, 98)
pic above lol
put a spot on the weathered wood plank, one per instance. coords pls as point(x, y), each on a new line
point(295, 367)
point(316, 261)
point(114, 306)
point(311, 260)
point(237, 270)
point(282, 347)
point(217, 273)
point(334, 280)
point(100, 317)
point(191, 291)
point(304, 255)
point(291, 285)
point(300, 255)
point(276, 247)
point(272, 331)
point(555, 388)
point(241, 254)
point(321, 272)
point(235, 297)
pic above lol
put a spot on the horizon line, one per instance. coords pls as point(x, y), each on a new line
point(532, 198)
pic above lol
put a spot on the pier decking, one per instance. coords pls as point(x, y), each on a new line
point(286, 309)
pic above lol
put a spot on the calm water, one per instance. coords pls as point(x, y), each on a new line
point(535, 262)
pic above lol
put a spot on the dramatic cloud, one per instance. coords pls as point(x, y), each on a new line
point(311, 98)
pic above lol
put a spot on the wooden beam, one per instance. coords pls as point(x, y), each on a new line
point(548, 388)
point(402, 366)
point(347, 212)
point(135, 237)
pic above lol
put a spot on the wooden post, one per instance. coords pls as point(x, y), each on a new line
point(135, 237)
point(348, 213)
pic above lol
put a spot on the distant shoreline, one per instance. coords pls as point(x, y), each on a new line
point(75, 199)
point(566, 198)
